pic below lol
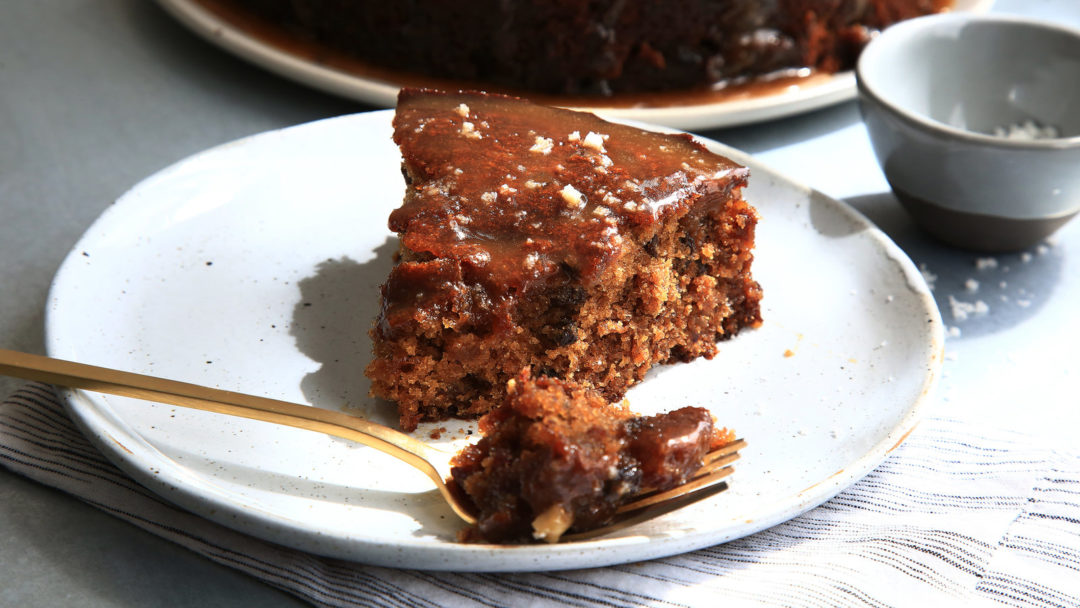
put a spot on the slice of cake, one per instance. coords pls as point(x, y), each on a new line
point(556, 458)
point(547, 239)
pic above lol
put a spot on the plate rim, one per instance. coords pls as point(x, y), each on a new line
point(89, 416)
point(830, 90)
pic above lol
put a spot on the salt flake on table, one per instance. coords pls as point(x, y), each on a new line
point(928, 276)
point(961, 310)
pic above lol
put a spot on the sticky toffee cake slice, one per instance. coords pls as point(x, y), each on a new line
point(547, 239)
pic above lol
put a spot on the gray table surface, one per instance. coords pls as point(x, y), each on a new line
point(96, 95)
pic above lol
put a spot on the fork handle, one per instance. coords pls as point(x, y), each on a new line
point(127, 384)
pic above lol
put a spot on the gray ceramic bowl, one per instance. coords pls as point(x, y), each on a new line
point(932, 92)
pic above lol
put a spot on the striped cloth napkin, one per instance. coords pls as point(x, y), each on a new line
point(959, 515)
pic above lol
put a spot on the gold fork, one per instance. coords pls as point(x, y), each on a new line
point(433, 462)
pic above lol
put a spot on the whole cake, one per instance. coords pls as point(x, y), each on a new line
point(584, 47)
point(539, 238)
point(555, 458)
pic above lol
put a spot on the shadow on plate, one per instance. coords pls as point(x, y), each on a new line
point(976, 293)
point(330, 325)
point(827, 221)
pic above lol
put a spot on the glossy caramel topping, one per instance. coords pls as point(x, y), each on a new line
point(515, 192)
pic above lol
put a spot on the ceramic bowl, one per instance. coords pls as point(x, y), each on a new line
point(934, 90)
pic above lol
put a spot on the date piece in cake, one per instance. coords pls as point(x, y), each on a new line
point(540, 238)
point(556, 458)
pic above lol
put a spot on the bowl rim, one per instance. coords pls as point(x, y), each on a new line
point(926, 123)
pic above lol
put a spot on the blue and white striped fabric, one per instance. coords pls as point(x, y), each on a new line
point(958, 515)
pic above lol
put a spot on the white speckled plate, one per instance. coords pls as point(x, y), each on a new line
point(254, 267)
point(287, 57)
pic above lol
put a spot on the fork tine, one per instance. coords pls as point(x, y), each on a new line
point(712, 461)
point(715, 464)
point(636, 517)
point(691, 486)
point(707, 481)
point(725, 450)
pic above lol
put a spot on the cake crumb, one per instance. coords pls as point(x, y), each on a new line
point(437, 433)
point(789, 353)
